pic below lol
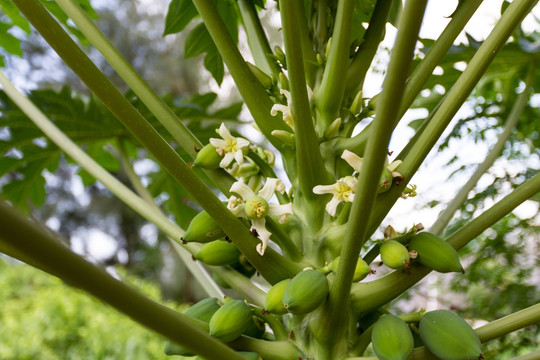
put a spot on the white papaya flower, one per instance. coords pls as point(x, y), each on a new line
point(285, 110)
point(256, 207)
point(230, 147)
point(343, 190)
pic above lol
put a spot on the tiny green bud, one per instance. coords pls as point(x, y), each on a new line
point(208, 157)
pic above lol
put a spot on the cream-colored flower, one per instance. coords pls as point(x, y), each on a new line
point(230, 147)
point(286, 110)
point(356, 161)
point(343, 190)
point(256, 207)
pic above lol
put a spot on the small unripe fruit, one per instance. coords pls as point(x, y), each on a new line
point(208, 157)
point(449, 337)
point(273, 300)
point(361, 270)
point(230, 321)
point(256, 328)
point(386, 181)
point(435, 253)
point(203, 229)
point(305, 292)
point(256, 207)
point(394, 254)
point(218, 253)
point(392, 339)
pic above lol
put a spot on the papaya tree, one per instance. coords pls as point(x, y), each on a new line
point(297, 223)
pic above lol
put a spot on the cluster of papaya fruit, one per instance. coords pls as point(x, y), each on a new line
point(302, 294)
point(444, 334)
point(216, 250)
point(226, 322)
point(424, 248)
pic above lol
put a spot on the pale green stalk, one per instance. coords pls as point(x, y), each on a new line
point(366, 297)
point(368, 48)
point(181, 134)
point(310, 166)
point(151, 213)
point(329, 94)
point(273, 266)
point(39, 245)
point(368, 181)
point(254, 95)
point(511, 122)
point(257, 41)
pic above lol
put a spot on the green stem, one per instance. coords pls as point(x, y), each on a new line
point(366, 297)
point(511, 122)
point(329, 94)
point(257, 41)
point(461, 16)
point(284, 240)
point(155, 104)
point(497, 328)
point(321, 30)
point(241, 284)
point(423, 71)
point(273, 266)
point(274, 321)
point(37, 243)
point(509, 323)
point(254, 95)
point(372, 167)
point(271, 350)
point(454, 99)
point(310, 166)
point(363, 58)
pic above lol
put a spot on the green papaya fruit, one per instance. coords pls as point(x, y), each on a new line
point(361, 270)
point(202, 310)
point(208, 158)
point(385, 182)
point(256, 328)
point(435, 253)
point(203, 229)
point(305, 292)
point(230, 320)
point(218, 253)
point(449, 337)
point(273, 300)
point(392, 339)
point(394, 254)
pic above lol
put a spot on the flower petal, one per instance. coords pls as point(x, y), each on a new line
point(279, 210)
point(352, 159)
point(243, 190)
point(324, 189)
point(227, 159)
point(264, 235)
point(270, 186)
point(331, 206)
point(224, 132)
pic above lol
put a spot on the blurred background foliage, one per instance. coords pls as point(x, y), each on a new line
point(43, 318)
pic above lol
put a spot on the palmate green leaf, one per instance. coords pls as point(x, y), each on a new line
point(10, 10)
point(179, 15)
point(199, 41)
